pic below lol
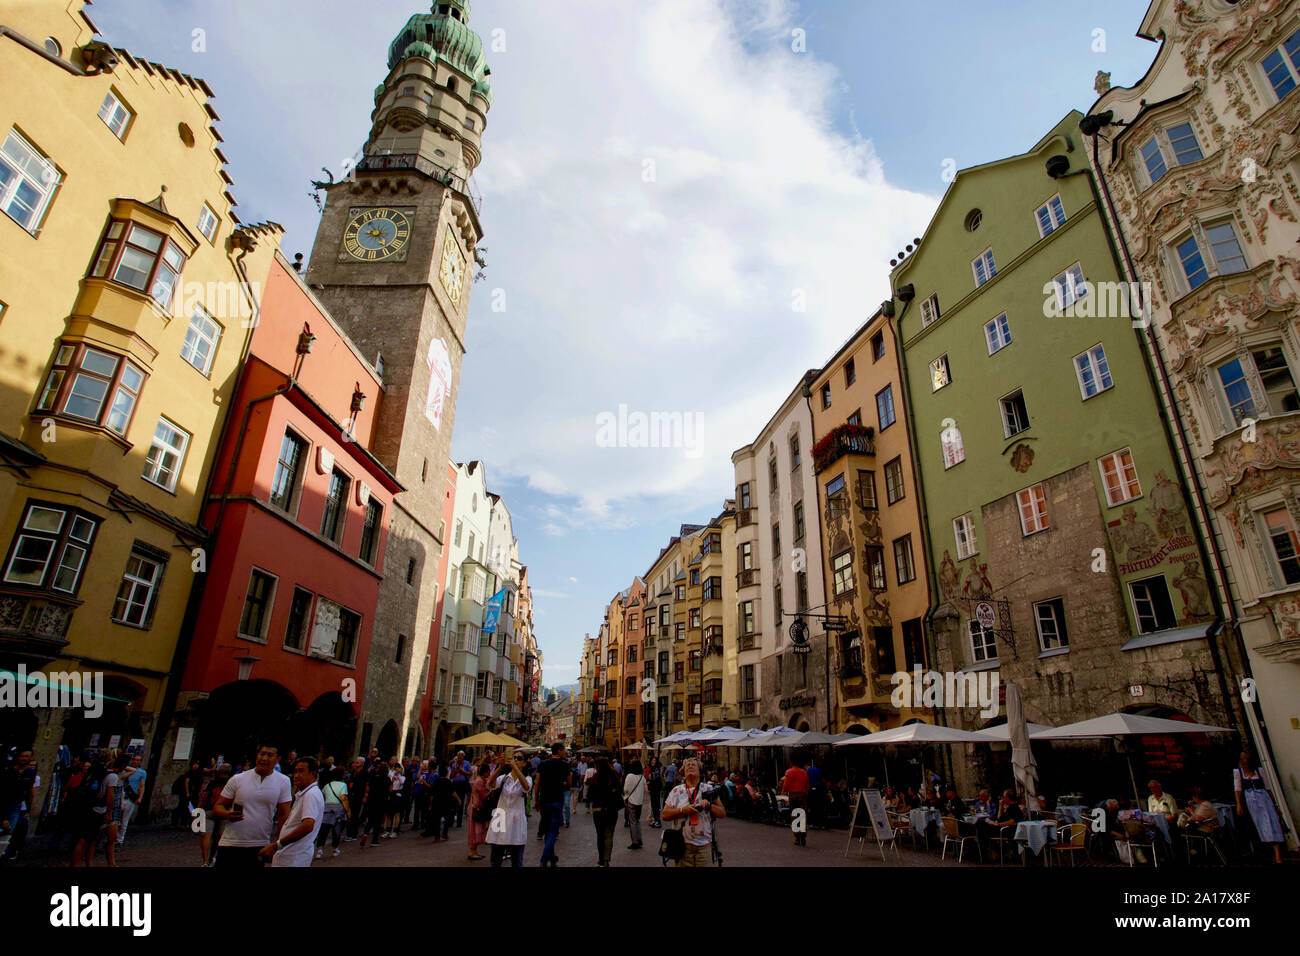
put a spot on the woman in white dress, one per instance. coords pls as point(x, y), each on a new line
point(508, 829)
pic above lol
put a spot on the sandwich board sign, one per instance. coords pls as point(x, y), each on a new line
point(874, 819)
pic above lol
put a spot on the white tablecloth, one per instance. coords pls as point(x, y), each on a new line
point(1035, 834)
point(922, 817)
point(1071, 813)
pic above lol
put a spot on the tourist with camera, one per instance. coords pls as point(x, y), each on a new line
point(696, 809)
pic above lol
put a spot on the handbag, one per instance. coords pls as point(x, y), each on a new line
point(484, 813)
point(672, 845)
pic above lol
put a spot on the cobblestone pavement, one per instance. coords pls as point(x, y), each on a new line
point(743, 844)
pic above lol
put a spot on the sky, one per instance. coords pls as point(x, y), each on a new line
point(686, 204)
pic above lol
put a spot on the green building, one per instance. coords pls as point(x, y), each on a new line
point(1061, 549)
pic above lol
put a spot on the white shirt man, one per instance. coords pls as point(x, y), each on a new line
point(265, 797)
point(298, 835)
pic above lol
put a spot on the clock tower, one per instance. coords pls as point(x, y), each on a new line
point(392, 262)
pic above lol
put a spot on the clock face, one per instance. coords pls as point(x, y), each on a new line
point(452, 272)
point(376, 234)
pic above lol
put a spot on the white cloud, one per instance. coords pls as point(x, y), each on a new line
point(676, 294)
point(573, 580)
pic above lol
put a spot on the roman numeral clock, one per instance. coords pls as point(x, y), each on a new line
point(377, 234)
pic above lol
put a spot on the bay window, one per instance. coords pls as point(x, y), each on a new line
point(51, 548)
point(140, 258)
point(92, 385)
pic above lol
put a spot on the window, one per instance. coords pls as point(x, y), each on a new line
point(798, 521)
point(939, 375)
point(983, 643)
point(826, 395)
point(794, 452)
point(470, 550)
point(856, 418)
point(447, 627)
point(694, 578)
point(83, 379)
point(1049, 215)
point(930, 310)
point(679, 671)
point(631, 653)
point(801, 590)
point(401, 647)
point(713, 691)
point(1050, 617)
point(745, 557)
point(850, 372)
point(208, 223)
point(634, 622)
point(663, 665)
point(842, 572)
point(696, 659)
point(1015, 416)
point(983, 267)
point(713, 589)
point(677, 711)
point(50, 548)
point(257, 605)
point(138, 591)
point(1151, 604)
point(680, 593)
point(745, 501)
point(902, 559)
point(1175, 146)
point(963, 529)
point(837, 500)
point(875, 558)
point(336, 504)
point(345, 647)
point(162, 466)
point(1120, 477)
point(1286, 549)
point(370, 531)
point(1069, 286)
point(954, 451)
point(1093, 372)
point(776, 542)
point(1282, 66)
point(469, 122)
point(885, 406)
point(878, 346)
point(27, 182)
point(140, 258)
point(440, 690)
point(693, 701)
point(1224, 253)
point(1033, 509)
point(407, 91)
point(115, 114)
point(200, 346)
point(747, 617)
point(629, 686)
point(997, 334)
point(894, 480)
point(1258, 384)
point(664, 609)
point(295, 633)
point(410, 575)
point(462, 690)
point(778, 607)
point(867, 490)
point(694, 615)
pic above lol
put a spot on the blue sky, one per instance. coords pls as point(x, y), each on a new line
point(686, 203)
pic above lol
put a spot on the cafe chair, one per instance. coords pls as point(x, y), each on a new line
point(1003, 837)
point(902, 825)
point(1135, 839)
point(1071, 841)
point(952, 834)
point(1205, 841)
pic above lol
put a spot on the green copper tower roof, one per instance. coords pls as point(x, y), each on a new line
point(444, 34)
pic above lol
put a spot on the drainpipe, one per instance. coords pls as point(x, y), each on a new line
point(831, 708)
point(1222, 596)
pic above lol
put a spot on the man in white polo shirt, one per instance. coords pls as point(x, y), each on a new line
point(298, 835)
point(255, 805)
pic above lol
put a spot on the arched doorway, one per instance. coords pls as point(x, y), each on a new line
point(326, 728)
point(120, 718)
point(798, 723)
point(386, 743)
point(239, 716)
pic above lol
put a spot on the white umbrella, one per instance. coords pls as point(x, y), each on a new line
point(1003, 731)
point(1121, 725)
point(638, 746)
point(675, 738)
point(1125, 725)
point(707, 736)
point(1022, 755)
point(917, 733)
point(745, 740)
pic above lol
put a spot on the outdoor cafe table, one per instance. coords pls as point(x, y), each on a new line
point(1227, 815)
point(1035, 834)
point(922, 818)
point(1156, 820)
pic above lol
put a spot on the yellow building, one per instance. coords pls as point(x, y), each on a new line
point(720, 647)
point(874, 565)
point(123, 317)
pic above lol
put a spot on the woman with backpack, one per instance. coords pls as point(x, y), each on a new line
point(605, 791)
point(480, 813)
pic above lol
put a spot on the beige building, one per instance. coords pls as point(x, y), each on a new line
point(779, 574)
point(1200, 170)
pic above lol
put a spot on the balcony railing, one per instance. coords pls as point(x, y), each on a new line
point(35, 626)
point(414, 161)
point(747, 578)
point(843, 440)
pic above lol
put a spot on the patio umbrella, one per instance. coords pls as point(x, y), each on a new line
point(917, 733)
point(813, 738)
point(1003, 731)
point(676, 738)
point(744, 740)
point(490, 740)
point(1127, 725)
point(707, 736)
point(596, 750)
point(638, 747)
point(1022, 755)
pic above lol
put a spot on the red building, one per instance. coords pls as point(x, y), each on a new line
point(433, 706)
point(299, 512)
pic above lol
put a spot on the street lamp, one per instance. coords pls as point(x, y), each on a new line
point(246, 662)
